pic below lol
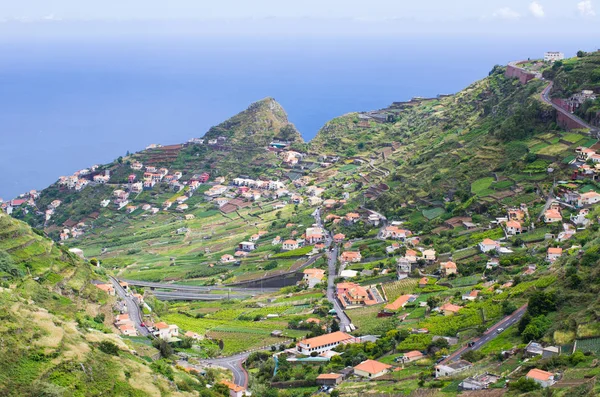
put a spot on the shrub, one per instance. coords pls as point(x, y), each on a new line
point(109, 347)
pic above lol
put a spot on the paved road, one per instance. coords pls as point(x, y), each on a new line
point(235, 364)
point(489, 335)
point(133, 309)
point(545, 96)
point(331, 262)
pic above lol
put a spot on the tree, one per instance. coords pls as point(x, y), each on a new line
point(163, 347)
point(221, 389)
point(580, 54)
point(542, 303)
point(433, 302)
point(473, 356)
point(524, 385)
point(508, 307)
point(335, 326)
point(99, 318)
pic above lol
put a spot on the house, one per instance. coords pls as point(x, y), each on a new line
point(452, 368)
point(390, 249)
point(247, 246)
point(227, 258)
point(394, 232)
point(193, 335)
point(350, 257)
point(411, 356)
point(352, 217)
point(514, 228)
point(339, 238)
point(553, 56)
point(166, 331)
point(329, 379)
point(276, 240)
point(478, 382)
point(533, 349)
point(189, 217)
point(348, 273)
point(323, 343)
point(315, 235)
point(551, 351)
point(448, 268)
point(234, 390)
point(581, 218)
point(429, 255)
point(423, 282)
point(289, 245)
point(449, 309)
point(108, 288)
point(471, 296)
point(313, 276)
point(400, 302)
point(488, 245)
point(182, 207)
point(552, 216)
point(553, 254)
point(516, 214)
point(352, 294)
point(542, 378)
point(371, 369)
point(404, 267)
point(588, 198)
point(127, 329)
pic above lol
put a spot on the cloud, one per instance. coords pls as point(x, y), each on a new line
point(536, 9)
point(586, 8)
point(506, 13)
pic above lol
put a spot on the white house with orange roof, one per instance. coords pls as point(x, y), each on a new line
point(588, 198)
point(371, 369)
point(394, 232)
point(542, 378)
point(350, 257)
point(552, 216)
point(166, 331)
point(488, 245)
point(313, 276)
point(553, 254)
point(412, 356)
point(514, 228)
point(323, 343)
point(289, 245)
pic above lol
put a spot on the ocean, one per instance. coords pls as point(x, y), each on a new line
point(68, 104)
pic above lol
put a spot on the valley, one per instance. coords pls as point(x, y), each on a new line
point(438, 247)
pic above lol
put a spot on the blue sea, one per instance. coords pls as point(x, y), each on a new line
point(68, 104)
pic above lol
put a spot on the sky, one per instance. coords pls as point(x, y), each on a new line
point(336, 17)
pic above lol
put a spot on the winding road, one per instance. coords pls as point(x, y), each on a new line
point(490, 334)
point(233, 363)
point(332, 274)
point(545, 97)
point(133, 309)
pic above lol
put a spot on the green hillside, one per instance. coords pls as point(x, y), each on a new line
point(52, 343)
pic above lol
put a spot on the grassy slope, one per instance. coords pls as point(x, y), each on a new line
point(47, 346)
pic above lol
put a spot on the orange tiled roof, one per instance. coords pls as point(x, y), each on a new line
point(539, 374)
point(334, 337)
point(372, 366)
